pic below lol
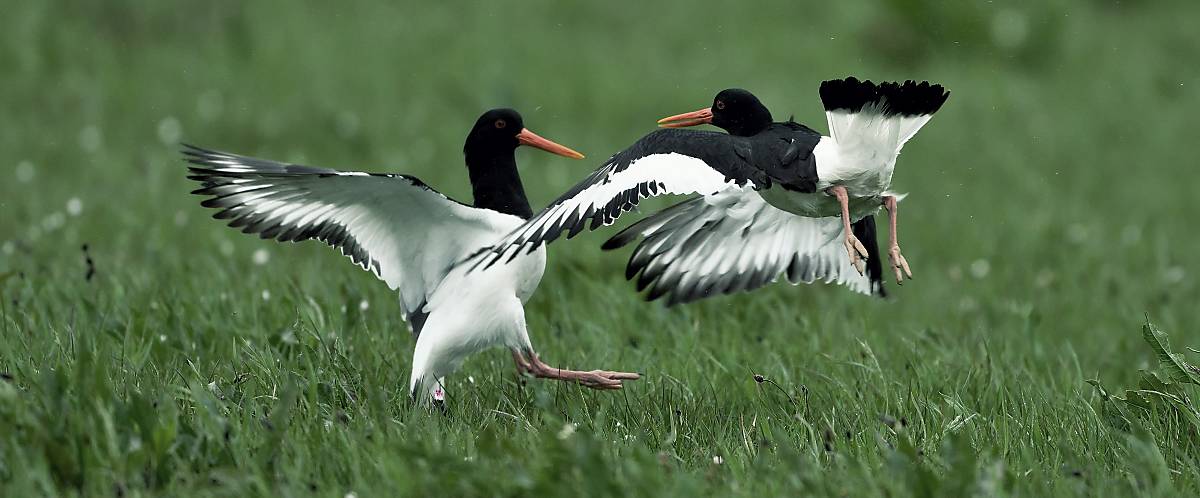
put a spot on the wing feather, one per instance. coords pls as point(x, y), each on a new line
point(731, 242)
point(668, 161)
point(406, 233)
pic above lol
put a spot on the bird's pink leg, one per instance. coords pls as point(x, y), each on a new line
point(898, 262)
point(522, 365)
point(595, 379)
point(854, 247)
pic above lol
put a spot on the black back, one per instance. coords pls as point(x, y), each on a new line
point(740, 113)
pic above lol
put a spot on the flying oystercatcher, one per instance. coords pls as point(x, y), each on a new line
point(764, 188)
point(415, 239)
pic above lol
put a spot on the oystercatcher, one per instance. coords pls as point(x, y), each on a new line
point(415, 239)
point(758, 184)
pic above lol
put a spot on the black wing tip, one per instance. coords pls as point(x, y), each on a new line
point(621, 239)
point(909, 98)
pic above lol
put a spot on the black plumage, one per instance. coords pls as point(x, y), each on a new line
point(904, 99)
point(756, 160)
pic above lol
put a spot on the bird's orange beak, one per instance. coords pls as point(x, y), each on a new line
point(532, 139)
point(703, 116)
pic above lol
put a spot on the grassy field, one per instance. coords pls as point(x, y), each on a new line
point(1051, 212)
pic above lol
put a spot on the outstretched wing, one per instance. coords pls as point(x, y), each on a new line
point(668, 161)
point(395, 226)
point(733, 241)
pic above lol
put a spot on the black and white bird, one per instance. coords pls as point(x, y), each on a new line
point(774, 195)
point(418, 241)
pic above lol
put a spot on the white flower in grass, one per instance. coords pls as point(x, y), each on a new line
point(566, 431)
point(74, 206)
point(53, 222)
point(717, 460)
point(980, 268)
point(1174, 274)
point(90, 138)
point(25, 172)
point(169, 131)
point(363, 305)
point(266, 295)
point(261, 256)
point(350, 495)
point(162, 337)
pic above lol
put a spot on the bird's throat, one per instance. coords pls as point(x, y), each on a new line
point(496, 185)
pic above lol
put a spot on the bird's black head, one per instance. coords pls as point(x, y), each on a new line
point(739, 112)
point(492, 162)
point(736, 111)
point(500, 131)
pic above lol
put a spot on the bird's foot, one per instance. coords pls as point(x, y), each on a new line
point(857, 252)
point(899, 264)
point(595, 379)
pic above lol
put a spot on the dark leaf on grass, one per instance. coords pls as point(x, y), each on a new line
point(1173, 364)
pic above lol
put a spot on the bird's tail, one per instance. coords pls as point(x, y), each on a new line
point(881, 115)
point(864, 230)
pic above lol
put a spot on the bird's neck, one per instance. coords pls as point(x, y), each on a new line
point(496, 184)
point(757, 122)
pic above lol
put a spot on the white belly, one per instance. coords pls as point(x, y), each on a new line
point(864, 171)
point(473, 310)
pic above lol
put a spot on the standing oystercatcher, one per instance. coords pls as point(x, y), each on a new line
point(759, 183)
point(415, 239)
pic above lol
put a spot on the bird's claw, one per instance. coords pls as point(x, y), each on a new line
point(857, 252)
point(900, 265)
point(606, 380)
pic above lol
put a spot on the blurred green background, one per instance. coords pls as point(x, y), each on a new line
point(1050, 211)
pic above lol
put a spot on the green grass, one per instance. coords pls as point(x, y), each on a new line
point(1051, 209)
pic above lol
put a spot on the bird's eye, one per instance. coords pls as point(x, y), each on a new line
point(720, 105)
point(500, 123)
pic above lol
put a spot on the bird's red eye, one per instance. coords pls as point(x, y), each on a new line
point(720, 105)
point(500, 123)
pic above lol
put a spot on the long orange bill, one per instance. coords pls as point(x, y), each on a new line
point(532, 139)
point(703, 116)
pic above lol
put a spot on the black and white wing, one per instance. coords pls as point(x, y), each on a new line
point(406, 233)
point(734, 241)
point(668, 161)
